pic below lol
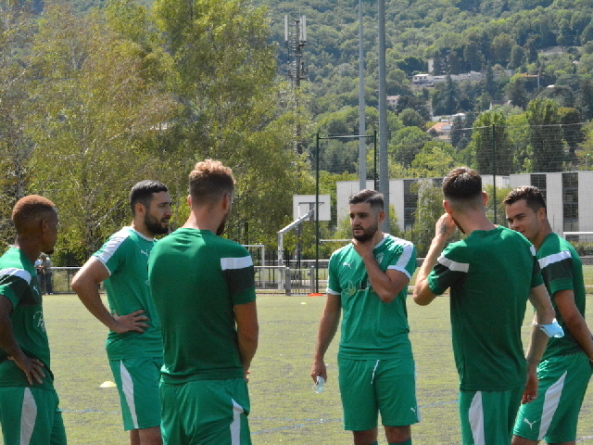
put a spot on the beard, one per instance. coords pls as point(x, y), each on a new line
point(155, 226)
point(367, 235)
point(222, 225)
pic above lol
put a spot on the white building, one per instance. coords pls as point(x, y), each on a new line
point(570, 207)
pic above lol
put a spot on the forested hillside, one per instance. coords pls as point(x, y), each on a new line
point(521, 48)
point(95, 95)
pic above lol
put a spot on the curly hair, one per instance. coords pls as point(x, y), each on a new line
point(209, 181)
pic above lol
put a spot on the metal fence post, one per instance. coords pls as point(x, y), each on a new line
point(312, 278)
point(287, 281)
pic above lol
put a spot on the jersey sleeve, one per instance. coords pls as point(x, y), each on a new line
point(239, 275)
point(112, 253)
point(333, 281)
point(536, 276)
point(449, 270)
point(405, 260)
point(557, 271)
point(14, 284)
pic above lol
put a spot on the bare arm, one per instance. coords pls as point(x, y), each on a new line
point(328, 326)
point(247, 332)
point(544, 314)
point(86, 284)
point(535, 351)
point(32, 367)
point(540, 299)
point(445, 227)
point(387, 285)
point(574, 321)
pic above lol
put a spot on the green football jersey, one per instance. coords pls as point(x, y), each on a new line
point(18, 283)
point(196, 279)
point(562, 269)
point(125, 255)
point(490, 274)
point(371, 328)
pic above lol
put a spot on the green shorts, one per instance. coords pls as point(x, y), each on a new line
point(369, 387)
point(30, 416)
point(487, 417)
point(137, 382)
point(205, 412)
point(553, 416)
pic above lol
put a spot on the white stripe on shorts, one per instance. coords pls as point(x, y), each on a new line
point(551, 401)
point(28, 416)
point(127, 385)
point(476, 419)
point(236, 424)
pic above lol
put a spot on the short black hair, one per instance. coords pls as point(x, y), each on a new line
point(532, 195)
point(142, 193)
point(462, 184)
point(371, 197)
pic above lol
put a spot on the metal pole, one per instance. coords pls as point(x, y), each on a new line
point(376, 174)
point(317, 217)
point(494, 170)
point(384, 173)
point(362, 162)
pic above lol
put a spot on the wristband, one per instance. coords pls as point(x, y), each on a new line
point(552, 330)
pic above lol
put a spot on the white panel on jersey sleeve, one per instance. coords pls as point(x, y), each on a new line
point(236, 263)
point(21, 273)
point(555, 258)
point(453, 266)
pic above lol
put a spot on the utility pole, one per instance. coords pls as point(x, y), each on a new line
point(362, 143)
point(383, 166)
point(295, 42)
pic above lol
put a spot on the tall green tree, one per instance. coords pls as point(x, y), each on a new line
point(492, 144)
point(572, 129)
point(545, 135)
point(16, 147)
point(230, 108)
point(585, 99)
point(95, 111)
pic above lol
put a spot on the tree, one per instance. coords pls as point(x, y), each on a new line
point(228, 95)
point(429, 209)
point(445, 97)
point(572, 130)
point(406, 144)
point(492, 145)
point(516, 92)
point(545, 135)
point(16, 146)
point(436, 159)
point(473, 56)
point(410, 117)
point(96, 110)
point(502, 46)
point(517, 57)
point(561, 94)
point(585, 99)
point(458, 131)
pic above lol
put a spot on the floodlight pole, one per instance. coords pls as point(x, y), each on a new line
point(383, 166)
point(317, 217)
point(494, 170)
point(362, 162)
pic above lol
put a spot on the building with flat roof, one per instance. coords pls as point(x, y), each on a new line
point(570, 207)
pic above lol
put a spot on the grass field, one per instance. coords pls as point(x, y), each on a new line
point(285, 410)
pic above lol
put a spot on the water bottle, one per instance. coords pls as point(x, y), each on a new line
point(319, 385)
